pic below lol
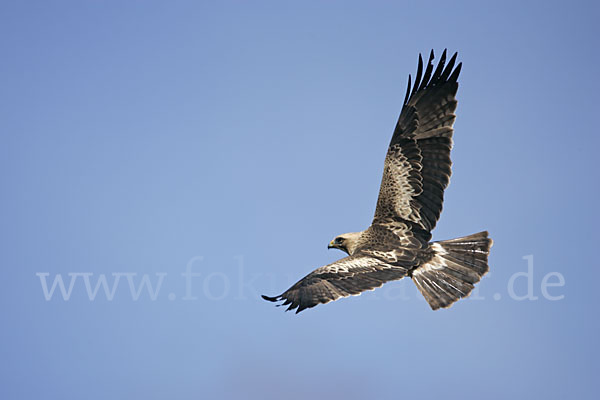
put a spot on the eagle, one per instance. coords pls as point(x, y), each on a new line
point(416, 172)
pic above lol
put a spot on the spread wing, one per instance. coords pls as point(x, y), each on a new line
point(417, 164)
point(346, 277)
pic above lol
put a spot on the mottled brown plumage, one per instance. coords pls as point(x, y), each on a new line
point(416, 172)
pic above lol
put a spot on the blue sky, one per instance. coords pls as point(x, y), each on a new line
point(233, 140)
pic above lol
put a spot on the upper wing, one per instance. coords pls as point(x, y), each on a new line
point(417, 164)
point(348, 276)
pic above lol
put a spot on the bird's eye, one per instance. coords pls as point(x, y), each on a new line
point(338, 240)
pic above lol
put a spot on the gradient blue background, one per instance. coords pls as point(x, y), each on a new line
point(137, 135)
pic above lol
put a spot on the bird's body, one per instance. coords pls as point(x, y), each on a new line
point(417, 170)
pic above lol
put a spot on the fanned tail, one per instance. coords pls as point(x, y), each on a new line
point(457, 265)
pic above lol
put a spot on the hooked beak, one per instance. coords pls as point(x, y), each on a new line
point(331, 245)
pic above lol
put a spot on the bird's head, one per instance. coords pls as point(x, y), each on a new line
point(346, 242)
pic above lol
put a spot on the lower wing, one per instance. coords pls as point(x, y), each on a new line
point(349, 276)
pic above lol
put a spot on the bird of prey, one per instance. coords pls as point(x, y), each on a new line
point(397, 244)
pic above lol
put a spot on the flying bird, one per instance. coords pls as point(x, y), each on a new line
point(416, 172)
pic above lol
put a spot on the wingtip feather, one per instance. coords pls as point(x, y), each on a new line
point(407, 90)
point(272, 299)
point(454, 76)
